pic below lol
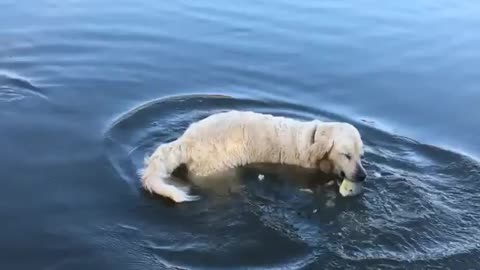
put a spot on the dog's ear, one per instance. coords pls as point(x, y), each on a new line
point(321, 142)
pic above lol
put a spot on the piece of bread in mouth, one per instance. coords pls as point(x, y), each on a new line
point(349, 188)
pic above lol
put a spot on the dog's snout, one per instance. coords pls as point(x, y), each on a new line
point(361, 174)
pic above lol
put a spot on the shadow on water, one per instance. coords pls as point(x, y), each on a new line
point(418, 208)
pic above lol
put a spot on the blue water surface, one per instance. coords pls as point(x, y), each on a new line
point(88, 88)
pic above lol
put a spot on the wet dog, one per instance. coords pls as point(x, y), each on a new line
point(232, 139)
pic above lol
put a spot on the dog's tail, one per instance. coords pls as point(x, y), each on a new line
point(158, 169)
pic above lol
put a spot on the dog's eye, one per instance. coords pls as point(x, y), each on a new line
point(348, 156)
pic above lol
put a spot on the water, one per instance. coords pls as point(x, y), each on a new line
point(87, 88)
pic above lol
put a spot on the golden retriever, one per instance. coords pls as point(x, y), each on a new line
point(232, 139)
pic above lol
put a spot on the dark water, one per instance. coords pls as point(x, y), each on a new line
point(87, 88)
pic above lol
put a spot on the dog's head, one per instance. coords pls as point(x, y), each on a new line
point(338, 148)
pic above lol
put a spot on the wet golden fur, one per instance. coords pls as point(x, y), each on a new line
point(235, 138)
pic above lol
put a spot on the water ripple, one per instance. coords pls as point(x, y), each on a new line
point(15, 88)
point(413, 208)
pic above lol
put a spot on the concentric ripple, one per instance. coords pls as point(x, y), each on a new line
point(420, 205)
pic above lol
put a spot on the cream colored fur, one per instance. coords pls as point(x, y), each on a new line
point(227, 140)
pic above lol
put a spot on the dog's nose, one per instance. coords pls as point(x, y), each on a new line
point(361, 174)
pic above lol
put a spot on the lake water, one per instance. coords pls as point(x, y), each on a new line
point(88, 88)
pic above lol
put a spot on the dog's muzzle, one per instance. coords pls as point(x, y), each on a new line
point(360, 173)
